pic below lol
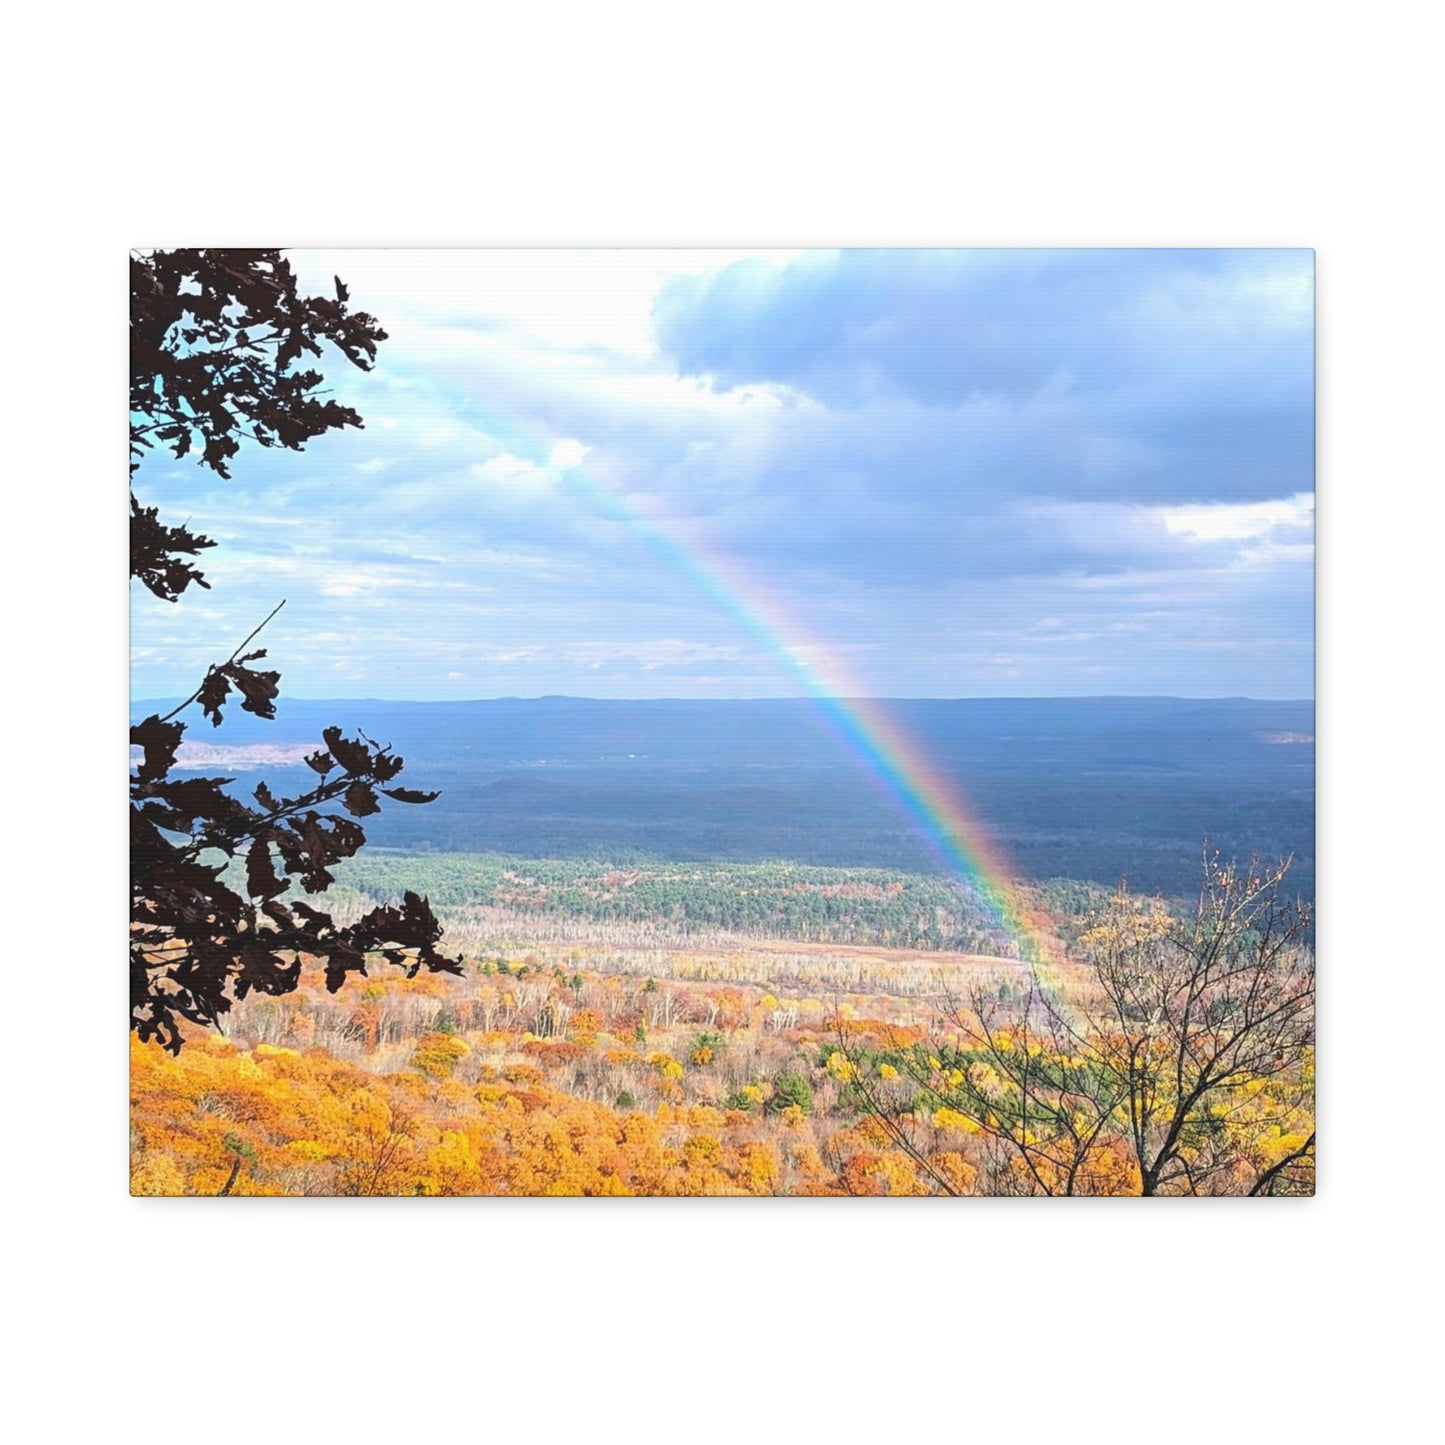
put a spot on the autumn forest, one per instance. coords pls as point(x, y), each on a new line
point(574, 1056)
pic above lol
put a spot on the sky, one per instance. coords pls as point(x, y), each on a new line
point(892, 473)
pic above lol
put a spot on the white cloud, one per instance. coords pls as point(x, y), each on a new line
point(359, 584)
point(1238, 521)
point(513, 473)
point(573, 300)
point(567, 454)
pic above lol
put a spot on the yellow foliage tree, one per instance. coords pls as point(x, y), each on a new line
point(1181, 1061)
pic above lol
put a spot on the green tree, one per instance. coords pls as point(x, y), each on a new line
point(788, 1089)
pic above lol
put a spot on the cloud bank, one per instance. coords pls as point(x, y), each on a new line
point(953, 473)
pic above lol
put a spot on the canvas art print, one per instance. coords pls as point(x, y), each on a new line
point(779, 723)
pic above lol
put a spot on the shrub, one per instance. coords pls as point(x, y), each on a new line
point(706, 1046)
point(791, 1090)
point(438, 1054)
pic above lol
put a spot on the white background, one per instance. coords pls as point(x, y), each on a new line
point(719, 1320)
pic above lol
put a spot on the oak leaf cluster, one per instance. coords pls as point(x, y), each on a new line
point(214, 344)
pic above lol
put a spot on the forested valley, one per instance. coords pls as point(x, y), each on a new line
point(771, 1029)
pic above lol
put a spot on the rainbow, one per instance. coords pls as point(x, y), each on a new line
point(871, 734)
point(874, 737)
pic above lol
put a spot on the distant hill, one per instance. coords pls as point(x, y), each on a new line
point(1090, 788)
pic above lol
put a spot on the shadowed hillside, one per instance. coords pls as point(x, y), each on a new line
point(1089, 788)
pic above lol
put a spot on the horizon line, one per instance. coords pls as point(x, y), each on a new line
point(776, 697)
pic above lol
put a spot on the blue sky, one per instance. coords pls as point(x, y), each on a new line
point(948, 473)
